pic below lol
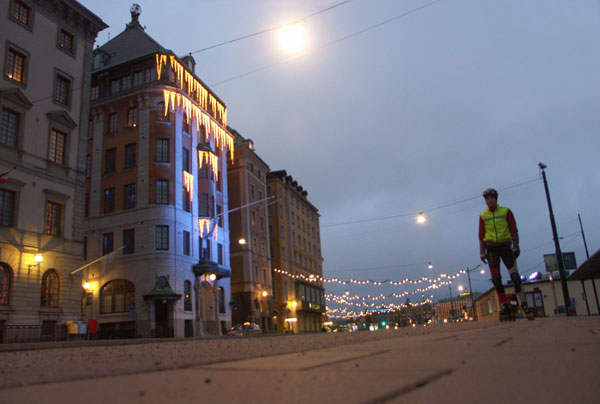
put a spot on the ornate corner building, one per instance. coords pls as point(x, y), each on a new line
point(156, 194)
point(44, 93)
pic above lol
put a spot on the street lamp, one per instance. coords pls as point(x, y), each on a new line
point(37, 259)
point(430, 266)
point(421, 218)
point(461, 288)
point(242, 241)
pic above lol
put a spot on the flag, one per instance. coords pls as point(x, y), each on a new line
point(4, 176)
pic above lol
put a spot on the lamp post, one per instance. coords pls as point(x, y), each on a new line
point(471, 291)
point(559, 257)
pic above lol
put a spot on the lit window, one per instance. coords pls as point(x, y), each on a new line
point(114, 296)
point(187, 295)
point(21, 12)
point(57, 147)
point(129, 196)
point(15, 68)
point(53, 211)
point(50, 289)
point(132, 117)
point(65, 40)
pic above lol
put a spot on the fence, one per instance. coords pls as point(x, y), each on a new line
point(32, 333)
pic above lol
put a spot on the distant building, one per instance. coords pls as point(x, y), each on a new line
point(156, 194)
point(295, 241)
point(251, 291)
point(44, 102)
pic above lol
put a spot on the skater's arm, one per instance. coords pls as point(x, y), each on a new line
point(512, 225)
point(481, 242)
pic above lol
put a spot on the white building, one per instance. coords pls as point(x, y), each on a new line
point(44, 92)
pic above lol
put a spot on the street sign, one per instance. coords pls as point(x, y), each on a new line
point(132, 297)
point(551, 262)
point(132, 309)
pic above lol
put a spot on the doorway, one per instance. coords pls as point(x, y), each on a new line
point(161, 316)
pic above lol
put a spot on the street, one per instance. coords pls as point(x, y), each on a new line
point(551, 360)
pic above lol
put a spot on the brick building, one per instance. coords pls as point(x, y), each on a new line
point(251, 289)
point(156, 193)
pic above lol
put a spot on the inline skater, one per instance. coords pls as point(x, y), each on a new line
point(499, 240)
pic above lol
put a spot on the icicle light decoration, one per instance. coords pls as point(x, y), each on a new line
point(212, 161)
point(174, 100)
point(204, 225)
point(189, 83)
point(188, 181)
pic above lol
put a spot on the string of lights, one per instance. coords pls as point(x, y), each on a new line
point(318, 278)
point(390, 308)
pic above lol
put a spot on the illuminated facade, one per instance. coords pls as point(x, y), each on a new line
point(299, 303)
point(251, 292)
point(44, 91)
point(156, 194)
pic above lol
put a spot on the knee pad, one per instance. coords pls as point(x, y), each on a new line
point(497, 281)
point(516, 278)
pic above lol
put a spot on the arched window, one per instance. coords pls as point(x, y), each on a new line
point(187, 296)
point(50, 288)
point(221, 300)
point(5, 283)
point(114, 296)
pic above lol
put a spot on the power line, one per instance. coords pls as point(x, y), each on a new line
point(326, 45)
point(264, 31)
point(445, 205)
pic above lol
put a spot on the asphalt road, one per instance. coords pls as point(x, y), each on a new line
point(553, 360)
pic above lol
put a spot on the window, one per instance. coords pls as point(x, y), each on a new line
point(126, 84)
point(138, 78)
point(15, 66)
point(90, 130)
point(115, 86)
point(5, 284)
point(252, 192)
point(9, 126)
point(87, 205)
point(130, 155)
point(62, 89)
point(203, 206)
point(114, 296)
point(186, 242)
point(262, 223)
point(203, 172)
point(7, 203)
point(132, 117)
point(53, 211)
point(254, 245)
point(65, 40)
point(50, 289)
point(150, 75)
point(162, 192)
point(185, 124)
point(187, 296)
point(94, 93)
point(162, 237)
point(221, 300)
point(160, 113)
point(185, 199)
point(110, 161)
point(21, 12)
point(88, 166)
point(260, 195)
point(107, 243)
point(220, 253)
point(162, 150)
point(185, 159)
point(129, 241)
point(112, 123)
point(57, 147)
point(129, 196)
point(109, 200)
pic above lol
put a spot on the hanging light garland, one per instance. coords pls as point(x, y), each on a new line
point(210, 159)
point(188, 182)
point(204, 228)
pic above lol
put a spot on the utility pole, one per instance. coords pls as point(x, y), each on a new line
point(451, 302)
point(587, 254)
point(471, 292)
point(559, 257)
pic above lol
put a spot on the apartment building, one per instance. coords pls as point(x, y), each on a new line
point(296, 260)
point(44, 103)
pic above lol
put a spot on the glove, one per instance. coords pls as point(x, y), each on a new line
point(482, 257)
point(516, 252)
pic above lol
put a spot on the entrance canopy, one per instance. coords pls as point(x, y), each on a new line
point(588, 270)
point(162, 291)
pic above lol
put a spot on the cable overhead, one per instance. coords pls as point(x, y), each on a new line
point(413, 213)
point(326, 45)
point(264, 31)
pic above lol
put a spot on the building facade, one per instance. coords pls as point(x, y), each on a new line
point(156, 198)
point(44, 102)
point(298, 293)
point(251, 287)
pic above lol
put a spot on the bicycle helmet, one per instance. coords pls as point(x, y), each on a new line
point(490, 192)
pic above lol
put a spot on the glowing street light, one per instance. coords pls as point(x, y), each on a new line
point(292, 37)
point(265, 293)
point(212, 277)
point(461, 288)
point(421, 218)
point(242, 241)
point(86, 285)
point(430, 266)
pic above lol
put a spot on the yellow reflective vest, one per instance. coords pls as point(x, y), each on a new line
point(496, 225)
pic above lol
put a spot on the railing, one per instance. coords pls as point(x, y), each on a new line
point(32, 333)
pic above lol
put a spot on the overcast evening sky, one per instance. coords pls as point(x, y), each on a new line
point(426, 110)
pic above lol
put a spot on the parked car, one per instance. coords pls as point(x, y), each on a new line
point(240, 330)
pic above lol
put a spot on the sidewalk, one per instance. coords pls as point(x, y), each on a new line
point(553, 360)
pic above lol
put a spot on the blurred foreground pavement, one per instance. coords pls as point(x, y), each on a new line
point(549, 360)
